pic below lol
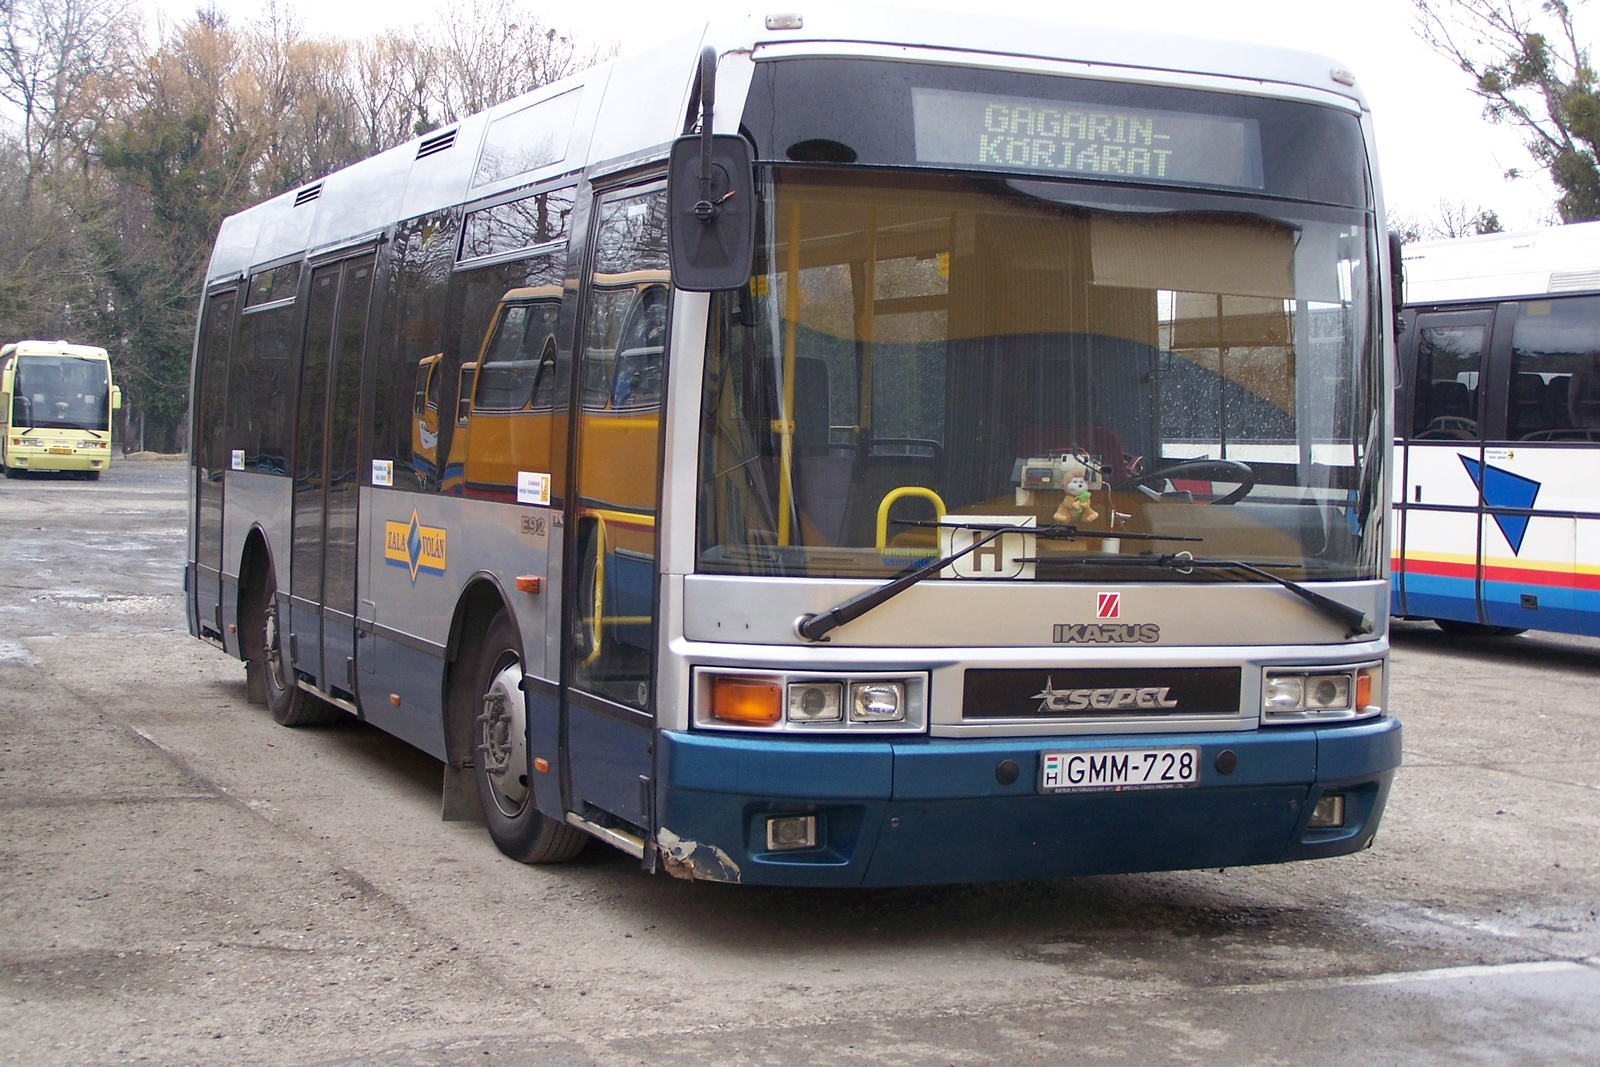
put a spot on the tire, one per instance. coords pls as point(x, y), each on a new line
point(501, 766)
point(13, 472)
point(1456, 628)
point(93, 476)
point(290, 705)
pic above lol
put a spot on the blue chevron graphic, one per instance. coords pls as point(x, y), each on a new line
point(1502, 489)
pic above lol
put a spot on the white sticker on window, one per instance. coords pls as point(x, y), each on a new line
point(383, 472)
point(533, 488)
point(238, 459)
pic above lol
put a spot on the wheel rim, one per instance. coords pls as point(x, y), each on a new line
point(274, 651)
point(502, 738)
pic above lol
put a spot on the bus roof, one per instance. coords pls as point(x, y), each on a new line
point(1562, 259)
point(633, 106)
point(54, 348)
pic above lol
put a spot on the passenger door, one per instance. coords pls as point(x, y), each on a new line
point(327, 483)
point(211, 460)
point(610, 598)
point(1441, 502)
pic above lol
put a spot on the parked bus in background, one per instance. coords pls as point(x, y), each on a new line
point(1498, 434)
point(900, 449)
point(58, 399)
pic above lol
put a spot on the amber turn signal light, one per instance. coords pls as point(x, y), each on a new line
point(747, 701)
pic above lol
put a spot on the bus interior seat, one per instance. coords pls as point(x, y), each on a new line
point(1450, 399)
point(822, 479)
point(884, 465)
point(1529, 413)
point(1583, 400)
point(1554, 402)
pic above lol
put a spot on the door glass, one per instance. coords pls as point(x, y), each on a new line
point(618, 439)
point(306, 562)
point(210, 453)
point(344, 409)
point(1449, 383)
point(1555, 371)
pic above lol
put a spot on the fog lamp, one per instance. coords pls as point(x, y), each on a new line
point(816, 702)
point(877, 701)
point(786, 833)
point(1329, 812)
point(746, 701)
point(1284, 692)
point(1328, 691)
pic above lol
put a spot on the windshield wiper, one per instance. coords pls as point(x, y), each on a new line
point(1184, 563)
point(817, 626)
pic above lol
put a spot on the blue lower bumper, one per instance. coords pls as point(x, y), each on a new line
point(924, 811)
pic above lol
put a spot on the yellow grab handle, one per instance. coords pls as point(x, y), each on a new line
point(895, 494)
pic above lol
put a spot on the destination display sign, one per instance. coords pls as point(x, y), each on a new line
point(1089, 140)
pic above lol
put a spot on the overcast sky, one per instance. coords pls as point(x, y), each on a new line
point(1432, 139)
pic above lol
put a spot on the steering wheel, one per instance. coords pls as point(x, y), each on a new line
point(1214, 470)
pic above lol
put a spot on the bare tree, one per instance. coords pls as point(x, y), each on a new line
point(1530, 69)
point(1449, 218)
point(59, 61)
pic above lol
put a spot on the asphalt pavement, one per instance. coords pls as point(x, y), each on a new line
point(183, 881)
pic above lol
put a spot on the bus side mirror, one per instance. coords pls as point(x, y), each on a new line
point(712, 238)
point(1397, 280)
point(116, 398)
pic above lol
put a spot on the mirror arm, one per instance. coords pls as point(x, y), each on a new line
point(705, 210)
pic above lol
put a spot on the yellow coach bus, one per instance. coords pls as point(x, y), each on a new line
point(57, 399)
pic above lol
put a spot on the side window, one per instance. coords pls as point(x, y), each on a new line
point(1555, 371)
point(636, 379)
point(1449, 382)
point(520, 359)
point(420, 404)
point(469, 374)
point(432, 395)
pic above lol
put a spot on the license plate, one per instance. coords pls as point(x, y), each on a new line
point(61, 451)
point(1116, 769)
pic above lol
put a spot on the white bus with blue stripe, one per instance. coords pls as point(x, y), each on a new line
point(1498, 434)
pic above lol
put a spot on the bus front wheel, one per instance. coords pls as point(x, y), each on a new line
point(500, 760)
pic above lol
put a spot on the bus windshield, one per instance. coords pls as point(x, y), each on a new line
point(1119, 358)
point(61, 392)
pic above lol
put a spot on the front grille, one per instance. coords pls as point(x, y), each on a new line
point(1100, 692)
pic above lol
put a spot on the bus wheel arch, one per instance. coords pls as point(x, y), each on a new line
point(486, 730)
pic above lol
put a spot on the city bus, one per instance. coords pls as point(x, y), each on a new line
point(1497, 487)
point(900, 450)
point(57, 400)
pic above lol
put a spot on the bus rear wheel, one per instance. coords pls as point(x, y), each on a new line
point(500, 760)
point(290, 705)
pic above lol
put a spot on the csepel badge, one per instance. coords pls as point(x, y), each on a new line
point(414, 546)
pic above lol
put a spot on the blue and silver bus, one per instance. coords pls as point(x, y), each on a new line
point(833, 449)
point(1497, 423)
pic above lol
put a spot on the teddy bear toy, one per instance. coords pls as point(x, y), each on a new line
point(1075, 507)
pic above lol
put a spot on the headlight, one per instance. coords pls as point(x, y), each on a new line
point(88, 444)
point(1315, 694)
point(741, 698)
point(816, 701)
point(877, 702)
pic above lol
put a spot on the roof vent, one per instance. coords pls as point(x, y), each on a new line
point(1569, 281)
point(308, 194)
point(432, 146)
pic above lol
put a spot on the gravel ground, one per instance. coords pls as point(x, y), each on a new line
point(182, 881)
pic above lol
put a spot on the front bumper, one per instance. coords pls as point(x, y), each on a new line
point(924, 811)
point(40, 459)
